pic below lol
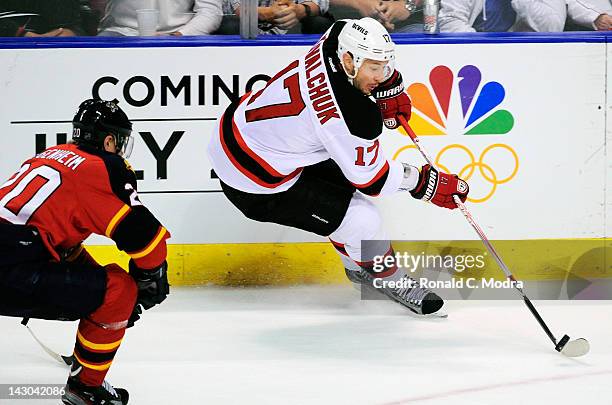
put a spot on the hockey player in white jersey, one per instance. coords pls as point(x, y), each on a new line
point(304, 151)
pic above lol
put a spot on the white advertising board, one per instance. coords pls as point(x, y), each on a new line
point(525, 122)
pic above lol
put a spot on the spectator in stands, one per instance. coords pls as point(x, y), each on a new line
point(395, 15)
point(502, 15)
point(91, 12)
point(539, 15)
point(40, 18)
point(590, 14)
point(401, 15)
point(356, 8)
point(98, 5)
point(177, 17)
point(280, 16)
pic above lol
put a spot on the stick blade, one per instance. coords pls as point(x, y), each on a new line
point(576, 348)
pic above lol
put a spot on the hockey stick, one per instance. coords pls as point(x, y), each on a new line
point(573, 348)
point(63, 360)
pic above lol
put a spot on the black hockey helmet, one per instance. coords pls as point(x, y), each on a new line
point(96, 119)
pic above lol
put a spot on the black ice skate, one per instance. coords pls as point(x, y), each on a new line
point(421, 301)
point(77, 393)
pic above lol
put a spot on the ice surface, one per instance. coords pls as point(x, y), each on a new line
point(322, 345)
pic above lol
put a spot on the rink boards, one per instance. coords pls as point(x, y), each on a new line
point(525, 118)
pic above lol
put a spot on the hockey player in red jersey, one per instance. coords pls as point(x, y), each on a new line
point(47, 209)
point(304, 152)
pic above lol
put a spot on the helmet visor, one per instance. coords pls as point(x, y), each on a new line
point(125, 143)
point(389, 69)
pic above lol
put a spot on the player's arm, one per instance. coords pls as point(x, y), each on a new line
point(541, 16)
point(139, 234)
point(427, 184)
point(206, 19)
point(132, 227)
point(143, 238)
point(364, 164)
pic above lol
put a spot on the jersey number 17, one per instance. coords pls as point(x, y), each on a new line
point(290, 109)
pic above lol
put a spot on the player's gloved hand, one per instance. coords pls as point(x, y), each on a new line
point(392, 100)
point(439, 187)
point(153, 288)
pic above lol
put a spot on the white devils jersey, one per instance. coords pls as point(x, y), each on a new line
point(307, 113)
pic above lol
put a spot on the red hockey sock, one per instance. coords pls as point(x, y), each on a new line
point(99, 335)
point(382, 266)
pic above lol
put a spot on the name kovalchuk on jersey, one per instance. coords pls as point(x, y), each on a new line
point(307, 113)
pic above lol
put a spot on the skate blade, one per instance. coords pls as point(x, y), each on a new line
point(436, 315)
point(439, 314)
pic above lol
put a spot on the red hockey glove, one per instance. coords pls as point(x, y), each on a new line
point(392, 100)
point(440, 187)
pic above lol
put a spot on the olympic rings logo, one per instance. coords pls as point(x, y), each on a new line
point(485, 170)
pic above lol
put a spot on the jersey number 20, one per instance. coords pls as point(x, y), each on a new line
point(29, 194)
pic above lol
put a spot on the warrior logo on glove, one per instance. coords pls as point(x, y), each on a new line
point(462, 187)
point(392, 100)
point(440, 187)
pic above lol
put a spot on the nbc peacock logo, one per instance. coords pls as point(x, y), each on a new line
point(478, 105)
point(461, 104)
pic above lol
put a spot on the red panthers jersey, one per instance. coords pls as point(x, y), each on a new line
point(69, 192)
